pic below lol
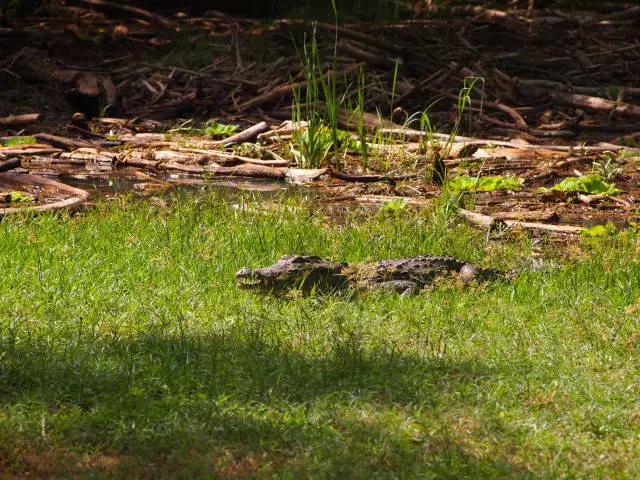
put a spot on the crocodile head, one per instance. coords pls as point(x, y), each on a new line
point(292, 272)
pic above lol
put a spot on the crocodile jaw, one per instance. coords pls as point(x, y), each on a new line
point(250, 279)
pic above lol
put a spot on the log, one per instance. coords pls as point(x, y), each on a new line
point(489, 222)
point(617, 109)
point(19, 120)
point(225, 157)
point(250, 170)
point(28, 150)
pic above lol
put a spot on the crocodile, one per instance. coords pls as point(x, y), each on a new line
point(404, 275)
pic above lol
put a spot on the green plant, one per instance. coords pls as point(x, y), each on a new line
point(313, 145)
point(103, 107)
point(17, 197)
point(431, 143)
point(609, 167)
point(605, 230)
point(358, 113)
point(310, 146)
point(592, 184)
point(463, 183)
point(396, 205)
point(13, 141)
point(215, 129)
point(211, 128)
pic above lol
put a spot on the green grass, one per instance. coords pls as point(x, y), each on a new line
point(126, 350)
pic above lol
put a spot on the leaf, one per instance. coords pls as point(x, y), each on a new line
point(464, 183)
point(593, 184)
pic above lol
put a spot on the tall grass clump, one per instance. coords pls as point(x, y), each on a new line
point(319, 106)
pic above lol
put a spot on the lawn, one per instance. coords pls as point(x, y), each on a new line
point(127, 350)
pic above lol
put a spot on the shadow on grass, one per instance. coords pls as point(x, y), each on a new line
point(176, 404)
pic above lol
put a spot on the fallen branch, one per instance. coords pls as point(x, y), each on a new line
point(78, 196)
point(19, 120)
point(117, 8)
point(617, 109)
point(372, 59)
point(363, 38)
point(28, 150)
point(286, 88)
point(61, 142)
point(246, 135)
point(9, 164)
point(489, 222)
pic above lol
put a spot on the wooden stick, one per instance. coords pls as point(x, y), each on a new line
point(488, 222)
point(61, 142)
point(417, 134)
point(29, 150)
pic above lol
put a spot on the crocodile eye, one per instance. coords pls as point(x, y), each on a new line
point(243, 272)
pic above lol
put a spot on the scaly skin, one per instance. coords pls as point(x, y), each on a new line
point(308, 273)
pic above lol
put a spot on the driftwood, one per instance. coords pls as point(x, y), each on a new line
point(250, 170)
point(19, 120)
point(418, 134)
point(247, 135)
point(489, 222)
point(29, 150)
point(75, 198)
point(379, 199)
point(224, 157)
point(525, 215)
point(9, 164)
point(372, 59)
point(61, 142)
point(617, 109)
